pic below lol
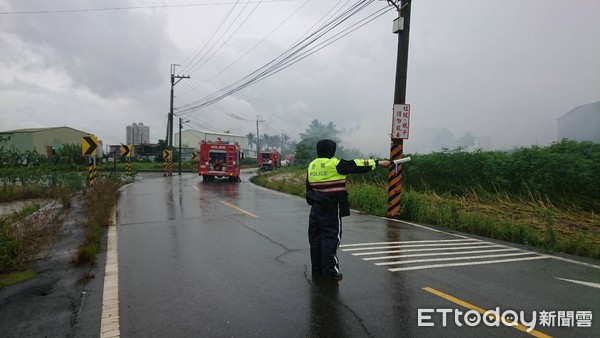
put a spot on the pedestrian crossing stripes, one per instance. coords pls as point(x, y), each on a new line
point(431, 254)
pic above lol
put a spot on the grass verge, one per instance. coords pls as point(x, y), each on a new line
point(534, 222)
point(99, 202)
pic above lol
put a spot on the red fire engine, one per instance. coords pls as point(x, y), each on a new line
point(269, 160)
point(220, 159)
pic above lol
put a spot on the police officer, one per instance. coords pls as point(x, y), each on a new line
point(326, 193)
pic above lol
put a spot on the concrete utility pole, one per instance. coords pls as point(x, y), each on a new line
point(180, 126)
point(170, 123)
point(402, 28)
point(258, 135)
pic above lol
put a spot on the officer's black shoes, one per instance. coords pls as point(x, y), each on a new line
point(337, 277)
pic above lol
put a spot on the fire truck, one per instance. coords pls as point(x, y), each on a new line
point(269, 160)
point(219, 159)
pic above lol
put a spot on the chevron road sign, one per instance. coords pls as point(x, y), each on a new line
point(126, 150)
point(89, 145)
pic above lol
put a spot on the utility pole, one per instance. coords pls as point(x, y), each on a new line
point(258, 136)
point(402, 28)
point(180, 126)
point(170, 123)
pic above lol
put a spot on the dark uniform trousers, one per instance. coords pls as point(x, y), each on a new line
point(324, 235)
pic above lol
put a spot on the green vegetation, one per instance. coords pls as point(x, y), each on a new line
point(99, 202)
point(16, 278)
point(548, 197)
point(24, 176)
point(24, 234)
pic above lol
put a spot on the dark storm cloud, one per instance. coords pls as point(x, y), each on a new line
point(113, 53)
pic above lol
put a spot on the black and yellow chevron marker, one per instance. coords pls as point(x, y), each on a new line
point(165, 166)
point(94, 172)
point(90, 174)
point(128, 168)
point(394, 181)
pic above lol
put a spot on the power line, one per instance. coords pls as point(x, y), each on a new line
point(294, 54)
point(297, 46)
point(196, 67)
point(212, 36)
point(259, 42)
point(128, 8)
point(222, 107)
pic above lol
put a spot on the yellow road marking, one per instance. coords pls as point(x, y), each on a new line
point(238, 209)
point(482, 311)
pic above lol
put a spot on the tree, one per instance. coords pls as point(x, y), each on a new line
point(71, 153)
point(251, 139)
point(320, 131)
point(306, 148)
point(466, 141)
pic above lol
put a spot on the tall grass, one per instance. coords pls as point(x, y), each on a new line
point(565, 172)
point(99, 202)
point(23, 235)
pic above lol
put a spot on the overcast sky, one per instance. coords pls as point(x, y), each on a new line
point(502, 69)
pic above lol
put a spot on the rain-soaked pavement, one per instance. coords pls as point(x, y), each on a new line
point(231, 259)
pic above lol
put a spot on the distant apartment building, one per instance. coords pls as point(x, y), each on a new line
point(581, 124)
point(137, 133)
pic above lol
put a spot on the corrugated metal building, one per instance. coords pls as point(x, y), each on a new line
point(39, 139)
point(192, 139)
point(581, 123)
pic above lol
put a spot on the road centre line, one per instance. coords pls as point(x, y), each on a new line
point(469, 306)
point(408, 242)
point(408, 246)
point(238, 209)
point(473, 246)
point(447, 265)
point(441, 259)
point(436, 254)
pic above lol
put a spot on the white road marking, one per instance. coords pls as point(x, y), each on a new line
point(437, 254)
point(474, 246)
point(420, 267)
point(407, 242)
point(109, 326)
point(452, 258)
point(424, 227)
point(460, 236)
point(594, 285)
point(408, 246)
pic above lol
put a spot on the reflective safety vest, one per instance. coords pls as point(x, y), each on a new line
point(323, 175)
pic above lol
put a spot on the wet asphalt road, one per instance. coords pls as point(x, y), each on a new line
point(231, 259)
